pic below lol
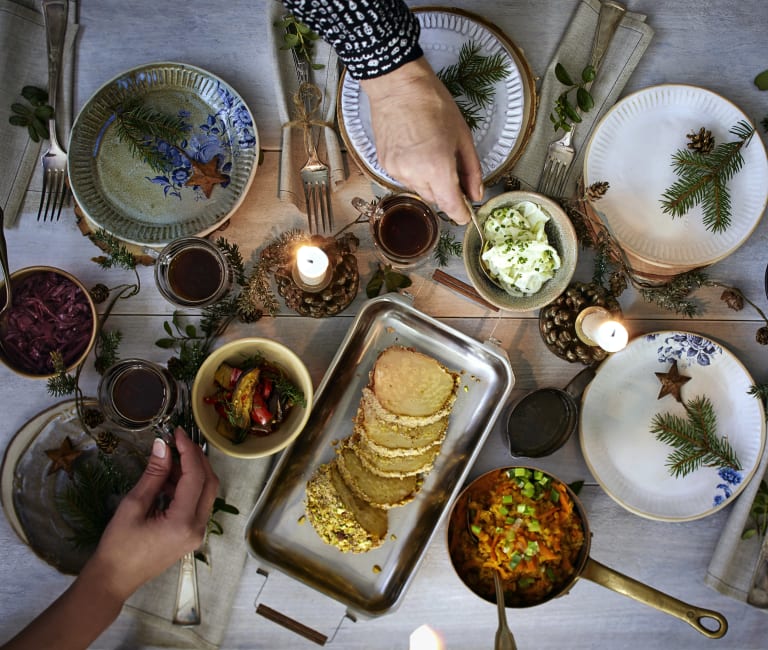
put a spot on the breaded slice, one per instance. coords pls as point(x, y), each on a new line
point(394, 466)
point(410, 384)
point(340, 518)
point(390, 439)
point(380, 491)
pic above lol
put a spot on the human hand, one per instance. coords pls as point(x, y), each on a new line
point(140, 541)
point(422, 139)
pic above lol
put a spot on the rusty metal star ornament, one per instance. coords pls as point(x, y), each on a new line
point(672, 382)
point(63, 457)
point(207, 175)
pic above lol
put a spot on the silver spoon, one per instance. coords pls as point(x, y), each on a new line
point(505, 640)
point(6, 272)
point(483, 243)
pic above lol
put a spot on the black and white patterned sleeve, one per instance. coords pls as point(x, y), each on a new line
point(371, 37)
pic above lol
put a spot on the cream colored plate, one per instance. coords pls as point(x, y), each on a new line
point(119, 192)
point(29, 495)
point(632, 148)
point(499, 140)
point(625, 457)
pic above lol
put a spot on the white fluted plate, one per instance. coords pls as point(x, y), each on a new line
point(621, 401)
point(632, 147)
point(502, 136)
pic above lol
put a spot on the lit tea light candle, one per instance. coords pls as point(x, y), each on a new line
point(425, 638)
point(596, 326)
point(312, 265)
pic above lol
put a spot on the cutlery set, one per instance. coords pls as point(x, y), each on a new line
point(55, 191)
point(560, 152)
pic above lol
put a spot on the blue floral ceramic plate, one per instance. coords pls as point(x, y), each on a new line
point(622, 400)
point(197, 181)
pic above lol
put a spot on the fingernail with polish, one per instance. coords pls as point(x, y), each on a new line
point(159, 448)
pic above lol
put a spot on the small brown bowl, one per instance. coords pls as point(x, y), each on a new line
point(561, 235)
point(14, 358)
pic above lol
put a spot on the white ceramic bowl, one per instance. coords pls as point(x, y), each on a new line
point(561, 236)
point(234, 353)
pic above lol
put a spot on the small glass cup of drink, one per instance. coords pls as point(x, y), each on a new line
point(136, 394)
point(192, 272)
point(405, 229)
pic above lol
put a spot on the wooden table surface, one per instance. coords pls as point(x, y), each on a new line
point(719, 45)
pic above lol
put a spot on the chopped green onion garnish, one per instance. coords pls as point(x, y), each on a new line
point(476, 529)
point(508, 499)
point(515, 560)
point(534, 526)
point(554, 495)
point(525, 582)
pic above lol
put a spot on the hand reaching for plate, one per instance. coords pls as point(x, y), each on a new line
point(421, 138)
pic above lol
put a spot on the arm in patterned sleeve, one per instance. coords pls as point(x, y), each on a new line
point(371, 37)
point(421, 137)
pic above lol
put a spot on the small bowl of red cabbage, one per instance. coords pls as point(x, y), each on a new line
point(52, 312)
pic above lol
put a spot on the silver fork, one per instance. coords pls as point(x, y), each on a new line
point(187, 608)
point(55, 189)
point(315, 175)
point(560, 152)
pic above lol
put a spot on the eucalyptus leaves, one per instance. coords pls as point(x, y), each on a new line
point(565, 112)
point(35, 115)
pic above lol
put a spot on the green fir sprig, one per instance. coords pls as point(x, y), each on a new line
point(565, 112)
point(758, 514)
point(703, 179)
point(471, 81)
point(447, 245)
point(140, 127)
point(695, 439)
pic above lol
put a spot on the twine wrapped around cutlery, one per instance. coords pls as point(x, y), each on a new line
point(306, 102)
point(292, 152)
point(629, 43)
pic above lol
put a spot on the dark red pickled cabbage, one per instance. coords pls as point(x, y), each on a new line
point(50, 313)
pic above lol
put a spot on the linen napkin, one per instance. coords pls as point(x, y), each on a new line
point(241, 483)
point(733, 563)
point(627, 47)
point(22, 32)
point(292, 152)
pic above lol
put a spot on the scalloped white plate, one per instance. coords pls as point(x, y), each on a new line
point(620, 402)
point(632, 148)
point(499, 140)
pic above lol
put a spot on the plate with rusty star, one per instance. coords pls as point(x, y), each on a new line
point(671, 375)
point(61, 482)
point(162, 151)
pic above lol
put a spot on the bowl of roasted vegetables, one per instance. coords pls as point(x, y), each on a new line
point(252, 397)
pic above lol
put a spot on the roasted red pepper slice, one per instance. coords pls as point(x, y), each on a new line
point(259, 411)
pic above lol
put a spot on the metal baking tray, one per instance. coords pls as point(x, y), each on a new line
point(373, 583)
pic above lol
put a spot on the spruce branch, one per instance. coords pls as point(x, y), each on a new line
point(447, 245)
point(471, 81)
point(142, 127)
point(694, 438)
point(703, 179)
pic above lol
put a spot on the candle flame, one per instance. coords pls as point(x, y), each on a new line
point(425, 638)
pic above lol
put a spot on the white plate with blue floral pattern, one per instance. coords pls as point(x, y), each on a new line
point(505, 125)
point(202, 179)
point(629, 462)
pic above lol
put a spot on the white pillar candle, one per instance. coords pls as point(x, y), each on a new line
point(597, 326)
point(424, 638)
point(312, 265)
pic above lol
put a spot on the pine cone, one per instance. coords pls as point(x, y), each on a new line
point(92, 418)
point(107, 442)
point(511, 183)
point(617, 283)
point(249, 315)
point(762, 336)
point(733, 298)
point(99, 293)
point(597, 190)
point(701, 141)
